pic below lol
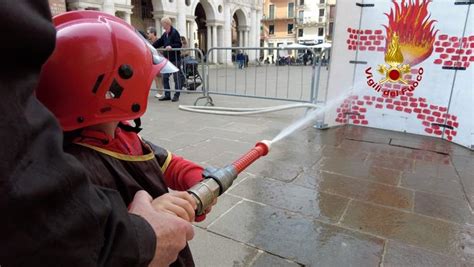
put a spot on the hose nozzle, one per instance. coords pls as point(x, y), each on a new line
point(260, 149)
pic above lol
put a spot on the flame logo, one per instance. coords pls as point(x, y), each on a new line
point(410, 21)
point(394, 58)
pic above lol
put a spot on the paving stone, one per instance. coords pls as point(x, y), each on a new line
point(305, 155)
point(389, 162)
point(375, 148)
point(213, 132)
point(366, 191)
point(434, 145)
point(439, 185)
point(212, 250)
point(338, 152)
point(400, 254)
point(450, 209)
point(299, 239)
point(366, 134)
point(252, 128)
point(281, 195)
point(224, 203)
point(280, 170)
point(436, 235)
point(467, 181)
point(464, 164)
point(435, 169)
point(267, 260)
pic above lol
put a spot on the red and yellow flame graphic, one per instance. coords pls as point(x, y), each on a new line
point(410, 20)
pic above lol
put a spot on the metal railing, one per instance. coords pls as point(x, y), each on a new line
point(284, 73)
point(192, 69)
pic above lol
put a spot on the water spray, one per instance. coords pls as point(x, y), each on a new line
point(217, 181)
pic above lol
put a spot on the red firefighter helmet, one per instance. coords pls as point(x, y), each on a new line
point(100, 71)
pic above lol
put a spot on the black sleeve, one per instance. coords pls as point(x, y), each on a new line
point(176, 39)
point(51, 214)
point(158, 43)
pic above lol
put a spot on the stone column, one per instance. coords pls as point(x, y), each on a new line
point(127, 17)
point(214, 43)
point(220, 43)
point(246, 38)
point(227, 34)
point(159, 29)
point(241, 38)
point(209, 37)
point(181, 17)
point(109, 7)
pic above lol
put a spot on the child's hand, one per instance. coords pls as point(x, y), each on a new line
point(179, 203)
point(201, 218)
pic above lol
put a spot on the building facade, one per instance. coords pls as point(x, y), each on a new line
point(279, 21)
point(287, 22)
point(205, 23)
point(315, 21)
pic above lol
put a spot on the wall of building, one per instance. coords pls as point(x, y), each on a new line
point(280, 22)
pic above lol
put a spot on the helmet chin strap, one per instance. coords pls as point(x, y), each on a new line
point(130, 128)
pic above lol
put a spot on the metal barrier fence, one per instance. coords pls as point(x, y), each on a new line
point(192, 70)
point(283, 73)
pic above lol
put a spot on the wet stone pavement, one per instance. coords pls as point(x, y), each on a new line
point(347, 196)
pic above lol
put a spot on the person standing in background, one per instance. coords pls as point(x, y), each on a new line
point(169, 40)
point(151, 35)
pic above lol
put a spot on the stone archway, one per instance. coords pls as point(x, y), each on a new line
point(239, 28)
point(201, 22)
point(204, 14)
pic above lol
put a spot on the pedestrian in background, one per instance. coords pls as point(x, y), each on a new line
point(151, 35)
point(169, 40)
point(241, 59)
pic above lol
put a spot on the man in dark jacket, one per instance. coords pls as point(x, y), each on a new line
point(51, 214)
point(169, 40)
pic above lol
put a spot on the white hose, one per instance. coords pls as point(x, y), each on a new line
point(243, 111)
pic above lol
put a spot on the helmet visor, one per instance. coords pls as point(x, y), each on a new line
point(157, 58)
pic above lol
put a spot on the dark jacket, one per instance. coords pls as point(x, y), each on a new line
point(172, 39)
point(52, 215)
point(129, 175)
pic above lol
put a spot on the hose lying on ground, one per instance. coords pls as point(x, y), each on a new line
point(243, 111)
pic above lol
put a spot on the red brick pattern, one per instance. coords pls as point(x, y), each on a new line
point(365, 40)
point(453, 51)
point(354, 109)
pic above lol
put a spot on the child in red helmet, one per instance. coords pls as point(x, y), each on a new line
point(96, 80)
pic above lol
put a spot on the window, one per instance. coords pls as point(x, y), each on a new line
point(300, 32)
point(291, 10)
point(332, 12)
point(331, 25)
point(301, 16)
point(271, 11)
point(290, 28)
point(320, 31)
point(301, 2)
point(271, 29)
point(321, 12)
point(270, 46)
point(321, 1)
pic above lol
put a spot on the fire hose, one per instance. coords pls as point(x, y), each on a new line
point(243, 111)
point(218, 180)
